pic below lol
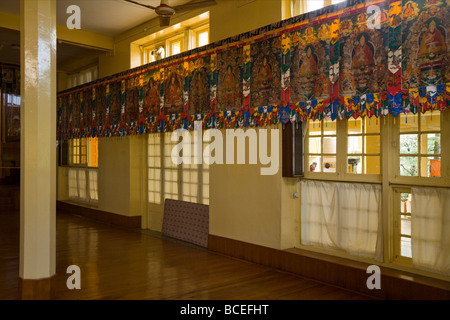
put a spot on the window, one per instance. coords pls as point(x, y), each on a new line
point(84, 152)
point(359, 153)
point(83, 172)
point(187, 35)
point(167, 180)
point(170, 176)
point(363, 146)
point(315, 4)
point(420, 145)
point(75, 149)
point(175, 45)
point(322, 146)
point(402, 224)
point(201, 36)
point(412, 156)
point(155, 53)
point(154, 169)
point(82, 77)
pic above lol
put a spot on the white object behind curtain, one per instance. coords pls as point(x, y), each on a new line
point(342, 216)
point(430, 229)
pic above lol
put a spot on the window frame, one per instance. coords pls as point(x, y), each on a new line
point(75, 150)
point(341, 174)
point(199, 30)
point(198, 169)
point(396, 227)
point(364, 176)
point(186, 32)
point(444, 179)
point(320, 175)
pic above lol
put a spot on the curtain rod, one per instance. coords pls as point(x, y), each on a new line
point(342, 181)
point(417, 185)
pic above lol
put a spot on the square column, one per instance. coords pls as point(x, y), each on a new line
point(37, 148)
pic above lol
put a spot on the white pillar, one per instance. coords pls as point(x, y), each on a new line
point(37, 147)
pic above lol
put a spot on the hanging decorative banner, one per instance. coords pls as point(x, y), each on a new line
point(153, 93)
point(311, 63)
point(265, 86)
point(363, 56)
point(425, 27)
point(353, 59)
point(285, 69)
point(246, 78)
point(94, 113)
point(198, 86)
point(229, 79)
point(173, 89)
point(70, 121)
point(81, 125)
point(395, 98)
point(333, 74)
point(213, 86)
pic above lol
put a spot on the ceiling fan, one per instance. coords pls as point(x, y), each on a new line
point(165, 11)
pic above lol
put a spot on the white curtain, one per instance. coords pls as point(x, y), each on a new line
point(342, 216)
point(73, 183)
point(93, 184)
point(430, 229)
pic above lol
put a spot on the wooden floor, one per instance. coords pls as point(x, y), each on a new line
point(122, 264)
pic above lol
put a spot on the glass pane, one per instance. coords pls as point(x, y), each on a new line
point(203, 39)
point(405, 203)
point(93, 152)
point(315, 145)
point(431, 121)
point(405, 225)
point(354, 144)
point(315, 128)
point(176, 47)
point(372, 144)
point(354, 126)
point(408, 143)
point(354, 164)
point(430, 167)
point(430, 143)
point(409, 123)
point(315, 163)
point(405, 247)
point(329, 164)
point(408, 166)
point(329, 145)
point(315, 5)
point(371, 125)
point(329, 128)
point(372, 165)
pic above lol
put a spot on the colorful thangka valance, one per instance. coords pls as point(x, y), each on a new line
point(353, 59)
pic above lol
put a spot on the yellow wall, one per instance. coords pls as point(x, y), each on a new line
point(244, 205)
point(230, 18)
point(122, 175)
point(113, 175)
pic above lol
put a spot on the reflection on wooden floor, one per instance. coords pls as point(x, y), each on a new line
point(118, 263)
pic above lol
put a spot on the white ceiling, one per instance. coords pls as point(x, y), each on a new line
point(108, 17)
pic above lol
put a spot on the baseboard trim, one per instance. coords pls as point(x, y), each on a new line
point(344, 273)
point(103, 216)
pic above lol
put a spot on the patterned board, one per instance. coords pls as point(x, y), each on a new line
point(186, 221)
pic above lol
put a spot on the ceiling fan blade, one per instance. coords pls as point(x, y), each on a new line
point(141, 4)
point(164, 21)
point(196, 5)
